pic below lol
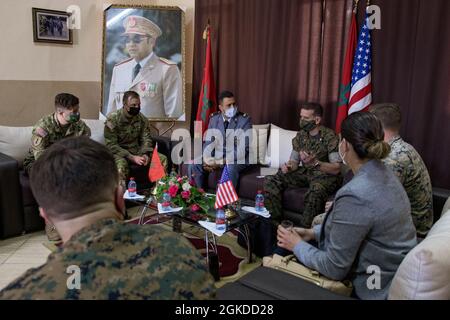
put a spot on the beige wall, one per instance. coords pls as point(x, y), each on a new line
point(32, 73)
point(23, 59)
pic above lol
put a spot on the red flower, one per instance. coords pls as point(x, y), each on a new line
point(185, 194)
point(195, 207)
point(173, 191)
point(179, 179)
point(192, 182)
point(201, 190)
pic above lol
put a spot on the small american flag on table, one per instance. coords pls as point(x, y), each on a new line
point(225, 190)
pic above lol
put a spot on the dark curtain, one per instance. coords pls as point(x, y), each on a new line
point(274, 54)
point(411, 66)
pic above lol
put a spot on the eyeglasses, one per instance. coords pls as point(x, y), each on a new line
point(134, 39)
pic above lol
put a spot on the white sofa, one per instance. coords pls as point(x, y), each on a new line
point(18, 208)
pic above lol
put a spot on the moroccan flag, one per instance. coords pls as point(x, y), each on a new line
point(344, 89)
point(207, 103)
point(156, 170)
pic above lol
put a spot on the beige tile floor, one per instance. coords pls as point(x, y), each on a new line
point(20, 254)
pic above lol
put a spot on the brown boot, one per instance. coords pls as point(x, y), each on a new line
point(52, 235)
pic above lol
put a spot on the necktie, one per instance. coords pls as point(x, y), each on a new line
point(225, 124)
point(136, 70)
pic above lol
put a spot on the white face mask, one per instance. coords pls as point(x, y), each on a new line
point(231, 112)
point(341, 155)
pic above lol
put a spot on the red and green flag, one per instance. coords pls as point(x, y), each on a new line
point(156, 169)
point(207, 103)
point(344, 89)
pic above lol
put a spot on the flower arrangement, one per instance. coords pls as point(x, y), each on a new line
point(184, 193)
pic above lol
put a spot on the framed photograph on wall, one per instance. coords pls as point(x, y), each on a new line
point(51, 26)
point(144, 51)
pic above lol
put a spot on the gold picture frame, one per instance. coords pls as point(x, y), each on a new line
point(128, 32)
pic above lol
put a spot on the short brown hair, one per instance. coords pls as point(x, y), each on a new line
point(128, 94)
point(66, 101)
point(71, 175)
point(316, 107)
point(389, 115)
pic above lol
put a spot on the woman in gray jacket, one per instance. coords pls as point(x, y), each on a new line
point(369, 229)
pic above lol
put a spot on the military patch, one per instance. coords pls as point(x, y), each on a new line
point(143, 86)
point(166, 61)
point(152, 87)
point(36, 140)
point(40, 132)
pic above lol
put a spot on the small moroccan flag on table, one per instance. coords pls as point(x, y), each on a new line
point(156, 170)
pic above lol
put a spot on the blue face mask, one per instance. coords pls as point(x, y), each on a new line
point(231, 112)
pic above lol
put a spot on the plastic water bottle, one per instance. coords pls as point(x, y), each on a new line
point(166, 198)
point(132, 188)
point(220, 219)
point(259, 201)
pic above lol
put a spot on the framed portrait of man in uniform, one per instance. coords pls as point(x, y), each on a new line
point(144, 51)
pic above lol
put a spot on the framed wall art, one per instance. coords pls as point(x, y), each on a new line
point(144, 51)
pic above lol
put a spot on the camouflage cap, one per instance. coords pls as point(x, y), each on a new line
point(142, 26)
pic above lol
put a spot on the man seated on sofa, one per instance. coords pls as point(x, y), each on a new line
point(127, 135)
point(64, 122)
point(233, 126)
point(75, 183)
point(409, 167)
point(314, 163)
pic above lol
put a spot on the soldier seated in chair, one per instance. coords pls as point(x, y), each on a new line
point(127, 135)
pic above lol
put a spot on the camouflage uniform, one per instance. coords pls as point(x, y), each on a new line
point(413, 174)
point(119, 261)
point(321, 185)
point(46, 132)
point(128, 136)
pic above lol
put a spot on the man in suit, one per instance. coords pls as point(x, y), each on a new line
point(227, 142)
point(157, 80)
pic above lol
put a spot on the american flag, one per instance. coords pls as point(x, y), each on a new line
point(361, 87)
point(225, 190)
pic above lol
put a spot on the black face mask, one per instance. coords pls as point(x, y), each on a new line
point(307, 125)
point(134, 111)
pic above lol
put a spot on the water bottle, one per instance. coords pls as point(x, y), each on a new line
point(132, 188)
point(166, 201)
point(259, 201)
point(220, 219)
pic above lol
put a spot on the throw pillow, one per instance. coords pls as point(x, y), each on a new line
point(261, 133)
point(425, 271)
point(15, 142)
point(279, 146)
point(97, 127)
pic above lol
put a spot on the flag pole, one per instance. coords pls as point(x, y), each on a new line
point(355, 6)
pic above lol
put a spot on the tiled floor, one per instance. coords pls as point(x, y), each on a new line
point(20, 254)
